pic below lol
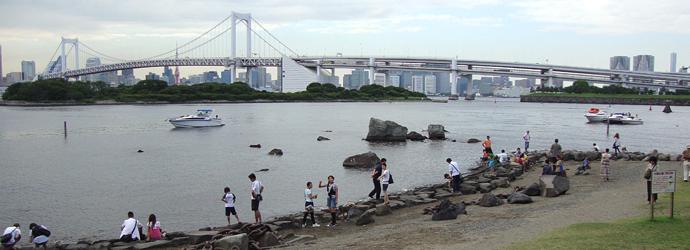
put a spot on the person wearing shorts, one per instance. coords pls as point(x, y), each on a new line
point(229, 200)
point(385, 180)
point(309, 206)
point(257, 189)
point(332, 200)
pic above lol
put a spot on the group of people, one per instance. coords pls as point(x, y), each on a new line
point(132, 230)
point(13, 234)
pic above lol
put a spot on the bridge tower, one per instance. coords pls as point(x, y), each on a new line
point(63, 57)
point(234, 19)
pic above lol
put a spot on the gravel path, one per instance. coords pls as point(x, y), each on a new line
point(588, 200)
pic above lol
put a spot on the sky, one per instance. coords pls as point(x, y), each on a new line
point(564, 32)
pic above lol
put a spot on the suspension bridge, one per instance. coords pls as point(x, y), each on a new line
point(218, 46)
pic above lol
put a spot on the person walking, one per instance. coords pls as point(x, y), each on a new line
point(39, 235)
point(130, 230)
point(332, 200)
point(309, 206)
point(526, 138)
point(154, 229)
point(385, 181)
point(229, 200)
point(605, 161)
point(616, 145)
point(454, 174)
point(375, 177)
point(487, 145)
point(11, 236)
point(651, 168)
point(686, 163)
point(257, 189)
point(555, 149)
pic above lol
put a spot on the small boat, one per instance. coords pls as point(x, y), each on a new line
point(202, 118)
point(470, 97)
point(629, 120)
point(616, 118)
point(596, 115)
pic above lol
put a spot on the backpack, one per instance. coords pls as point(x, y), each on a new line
point(390, 178)
point(7, 237)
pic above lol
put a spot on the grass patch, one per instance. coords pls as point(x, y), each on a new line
point(636, 233)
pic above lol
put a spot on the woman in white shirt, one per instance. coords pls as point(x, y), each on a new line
point(385, 180)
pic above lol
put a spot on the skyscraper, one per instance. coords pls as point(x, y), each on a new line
point(128, 76)
point(430, 84)
point(168, 75)
point(619, 63)
point(673, 62)
point(1, 75)
point(355, 80)
point(28, 70)
point(643, 63)
point(225, 76)
point(417, 84)
point(393, 80)
point(93, 62)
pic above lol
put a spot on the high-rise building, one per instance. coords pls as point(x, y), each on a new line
point(225, 76)
point(417, 83)
point(430, 84)
point(28, 70)
point(442, 82)
point(643, 63)
point(152, 76)
point(356, 79)
point(13, 77)
point(379, 79)
point(93, 62)
point(211, 76)
point(619, 63)
point(1, 75)
point(393, 80)
point(168, 75)
point(128, 77)
point(673, 62)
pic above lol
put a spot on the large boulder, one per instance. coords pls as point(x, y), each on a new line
point(580, 156)
point(380, 130)
point(233, 242)
point(436, 132)
point(414, 136)
point(486, 187)
point(502, 183)
point(446, 210)
point(151, 245)
point(519, 198)
point(276, 151)
point(532, 190)
point(490, 200)
point(553, 185)
point(468, 189)
point(365, 160)
point(593, 155)
point(366, 218)
point(383, 210)
point(568, 155)
point(201, 236)
point(269, 239)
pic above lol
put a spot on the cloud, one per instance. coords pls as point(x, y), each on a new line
point(608, 16)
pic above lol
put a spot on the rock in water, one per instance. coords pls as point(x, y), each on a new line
point(532, 190)
point(519, 198)
point(667, 109)
point(365, 160)
point(321, 138)
point(380, 130)
point(490, 200)
point(276, 151)
point(239, 241)
point(436, 132)
point(446, 210)
point(473, 140)
point(553, 185)
point(255, 146)
point(414, 136)
point(366, 218)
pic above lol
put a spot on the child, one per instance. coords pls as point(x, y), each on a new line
point(309, 206)
point(229, 199)
point(449, 180)
point(548, 169)
point(583, 169)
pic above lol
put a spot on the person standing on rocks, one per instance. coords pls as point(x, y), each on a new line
point(526, 138)
point(257, 189)
point(385, 180)
point(605, 161)
point(229, 200)
point(454, 174)
point(686, 163)
point(651, 168)
point(375, 177)
point(555, 149)
point(616, 145)
point(309, 206)
point(487, 145)
point(333, 193)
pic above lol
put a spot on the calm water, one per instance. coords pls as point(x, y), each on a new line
point(85, 183)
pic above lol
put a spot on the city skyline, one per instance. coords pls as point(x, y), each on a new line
point(577, 33)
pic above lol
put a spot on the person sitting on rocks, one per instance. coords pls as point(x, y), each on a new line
point(130, 229)
point(503, 158)
point(583, 168)
point(559, 167)
point(548, 168)
point(596, 148)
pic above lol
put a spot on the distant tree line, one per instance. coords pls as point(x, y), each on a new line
point(51, 90)
point(581, 86)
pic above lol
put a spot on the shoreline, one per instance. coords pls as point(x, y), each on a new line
point(286, 226)
point(612, 99)
point(112, 102)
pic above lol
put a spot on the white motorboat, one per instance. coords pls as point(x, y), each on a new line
point(616, 118)
point(596, 115)
point(202, 118)
point(629, 120)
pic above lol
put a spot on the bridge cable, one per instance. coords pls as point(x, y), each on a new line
point(191, 41)
point(275, 38)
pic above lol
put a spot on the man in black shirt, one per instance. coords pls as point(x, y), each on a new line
point(377, 183)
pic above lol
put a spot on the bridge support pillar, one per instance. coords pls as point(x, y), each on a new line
point(453, 80)
point(470, 87)
point(318, 70)
point(371, 70)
